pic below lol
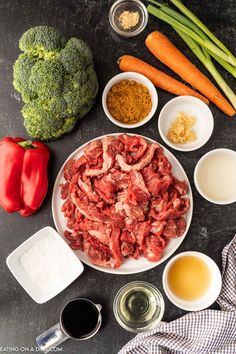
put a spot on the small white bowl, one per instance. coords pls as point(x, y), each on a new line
point(214, 288)
point(203, 160)
point(136, 77)
point(192, 106)
point(74, 268)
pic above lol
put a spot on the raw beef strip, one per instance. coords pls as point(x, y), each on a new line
point(145, 160)
point(108, 158)
point(106, 188)
point(154, 247)
point(89, 210)
point(135, 145)
point(137, 190)
point(155, 182)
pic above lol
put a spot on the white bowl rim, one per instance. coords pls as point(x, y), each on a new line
point(196, 169)
point(193, 147)
point(208, 260)
point(136, 77)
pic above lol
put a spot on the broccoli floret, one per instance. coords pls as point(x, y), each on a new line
point(83, 50)
point(55, 105)
point(41, 41)
point(74, 102)
point(76, 55)
point(70, 60)
point(44, 125)
point(80, 78)
point(74, 82)
point(46, 78)
point(57, 82)
point(79, 91)
point(21, 73)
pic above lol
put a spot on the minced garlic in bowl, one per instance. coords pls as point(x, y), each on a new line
point(181, 129)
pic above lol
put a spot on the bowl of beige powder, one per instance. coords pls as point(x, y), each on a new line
point(128, 18)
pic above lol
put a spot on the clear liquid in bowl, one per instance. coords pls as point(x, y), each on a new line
point(138, 306)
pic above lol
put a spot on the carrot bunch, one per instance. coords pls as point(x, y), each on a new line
point(204, 44)
point(160, 46)
point(164, 50)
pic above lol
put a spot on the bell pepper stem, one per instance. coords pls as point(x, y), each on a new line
point(27, 144)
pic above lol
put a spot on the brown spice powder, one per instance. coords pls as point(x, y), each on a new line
point(129, 101)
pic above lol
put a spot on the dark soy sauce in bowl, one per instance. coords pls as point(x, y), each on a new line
point(79, 318)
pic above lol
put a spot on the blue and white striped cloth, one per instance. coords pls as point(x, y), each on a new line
point(203, 332)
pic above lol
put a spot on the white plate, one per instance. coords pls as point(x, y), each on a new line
point(191, 106)
point(130, 266)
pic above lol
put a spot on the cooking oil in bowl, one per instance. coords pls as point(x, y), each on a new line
point(138, 306)
point(189, 278)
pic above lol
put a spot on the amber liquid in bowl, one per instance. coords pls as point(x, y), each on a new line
point(189, 278)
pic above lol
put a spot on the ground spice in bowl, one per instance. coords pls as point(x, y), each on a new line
point(128, 19)
point(129, 101)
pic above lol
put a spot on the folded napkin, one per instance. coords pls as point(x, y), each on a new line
point(203, 332)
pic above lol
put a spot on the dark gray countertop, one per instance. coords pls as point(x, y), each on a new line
point(212, 226)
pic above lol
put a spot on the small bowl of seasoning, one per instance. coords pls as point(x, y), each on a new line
point(185, 123)
point(128, 18)
point(129, 100)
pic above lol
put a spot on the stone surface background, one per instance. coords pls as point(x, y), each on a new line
point(212, 226)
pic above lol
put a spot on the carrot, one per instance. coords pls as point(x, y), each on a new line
point(158, 78)
point(169, 55)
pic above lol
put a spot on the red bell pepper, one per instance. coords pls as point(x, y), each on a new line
point(23, 175)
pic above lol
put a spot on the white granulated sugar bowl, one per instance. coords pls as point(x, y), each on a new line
point(44, 265)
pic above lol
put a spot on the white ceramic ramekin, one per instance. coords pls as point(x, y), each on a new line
point(136, 77)
point(211, 294)
point(198, 167)
point(192, 106)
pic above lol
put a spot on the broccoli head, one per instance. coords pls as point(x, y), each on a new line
point(57, 82)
